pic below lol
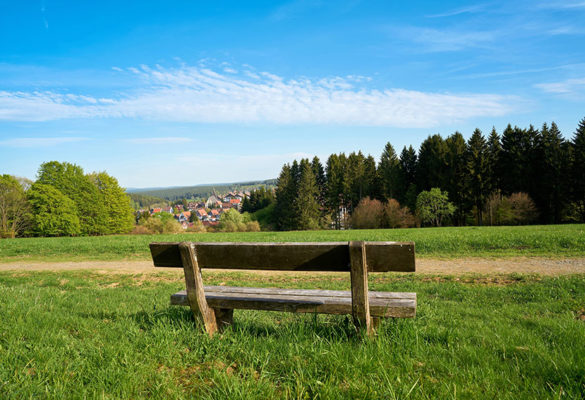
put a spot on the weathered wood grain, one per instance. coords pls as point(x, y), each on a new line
point(360, 305)
point(195, 291)
point(332, 256)
point(382, 304)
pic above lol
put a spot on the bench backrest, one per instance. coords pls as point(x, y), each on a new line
point(325, 256)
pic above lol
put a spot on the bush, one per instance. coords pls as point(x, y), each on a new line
point(516, 209)
point(196, 228)
point(253, 226)
point(369, 214)
point(162, 223)
point(141, 230)
point(397, 216)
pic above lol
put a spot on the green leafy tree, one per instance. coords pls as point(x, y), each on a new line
point(433, 206)
point(478, 172)
point(53, 213)
point(70, 180)
point(118, 211)
point(14, 208)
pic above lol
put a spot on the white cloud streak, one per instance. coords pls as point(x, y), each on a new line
point(40, 142)
point(575, 86)
point(202, 95)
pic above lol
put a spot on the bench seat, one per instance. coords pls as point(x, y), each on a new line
point(382, 304)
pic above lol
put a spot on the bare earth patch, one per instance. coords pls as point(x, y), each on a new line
point(522, 265)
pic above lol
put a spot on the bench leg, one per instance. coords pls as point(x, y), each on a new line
point(360, 303)
point(224, 317)
point(195, 293)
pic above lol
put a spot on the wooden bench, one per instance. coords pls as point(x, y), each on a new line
point(214, 305)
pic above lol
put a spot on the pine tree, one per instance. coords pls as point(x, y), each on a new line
point(432, 163)
point(577, 169)
point(306, 206)
point(494, 151)
point(549, 193)
point(456, 173)
point(477, 172)
point(333, 197)
point(389, 173)
point(320, 179)
point(408, 171)
point(285, 197)
point(371, 181)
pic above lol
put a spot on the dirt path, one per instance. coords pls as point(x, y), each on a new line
point(544, 266)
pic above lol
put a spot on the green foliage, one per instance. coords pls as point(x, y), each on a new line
point(70, 180)
point(233, 221)
point(577, 183)
point(14, 208)
point(433, 207)
point(53, 213)
point(265, 217)
point(305, 205)
point(161, 223)
point(286, 192)
point(389, 172)
point(118, 212)
point(258, 199)
point(477, 171)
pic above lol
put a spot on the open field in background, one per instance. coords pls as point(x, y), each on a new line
point(453, 242)
point(89, 334)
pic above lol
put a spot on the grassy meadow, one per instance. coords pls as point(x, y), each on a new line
point(451, 242)
point(82, 334)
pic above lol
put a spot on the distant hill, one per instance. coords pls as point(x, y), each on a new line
point(200, 191)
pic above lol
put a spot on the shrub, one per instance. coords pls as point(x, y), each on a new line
point(397, 216)
point(369, 214)
point(523, 208)
point(141, 230)
point(196, 228)
point(516, 209)
point(253, 226)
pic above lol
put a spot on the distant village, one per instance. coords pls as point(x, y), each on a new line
point(209, 212)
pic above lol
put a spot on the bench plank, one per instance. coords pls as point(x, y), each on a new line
point(332, 256)
point(382, 304)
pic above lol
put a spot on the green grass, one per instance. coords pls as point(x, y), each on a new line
point(83, 334)
point(532, 241)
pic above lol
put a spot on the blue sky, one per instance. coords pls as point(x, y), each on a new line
point(167, 93)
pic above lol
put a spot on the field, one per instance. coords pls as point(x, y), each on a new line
point(92, 335)
point(533, 241)
point(112, 334)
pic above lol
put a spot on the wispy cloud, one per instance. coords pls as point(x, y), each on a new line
point(568, 87)
point(40, 142)
point(159, 140)
point(445, 40)
point(562, 5)
point(458, 11)
point(195, 94)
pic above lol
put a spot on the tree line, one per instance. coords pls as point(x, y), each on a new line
point(534, 167)
point(63, 201)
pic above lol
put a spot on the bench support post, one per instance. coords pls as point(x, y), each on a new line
point(360, 304)
point(195, 293)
